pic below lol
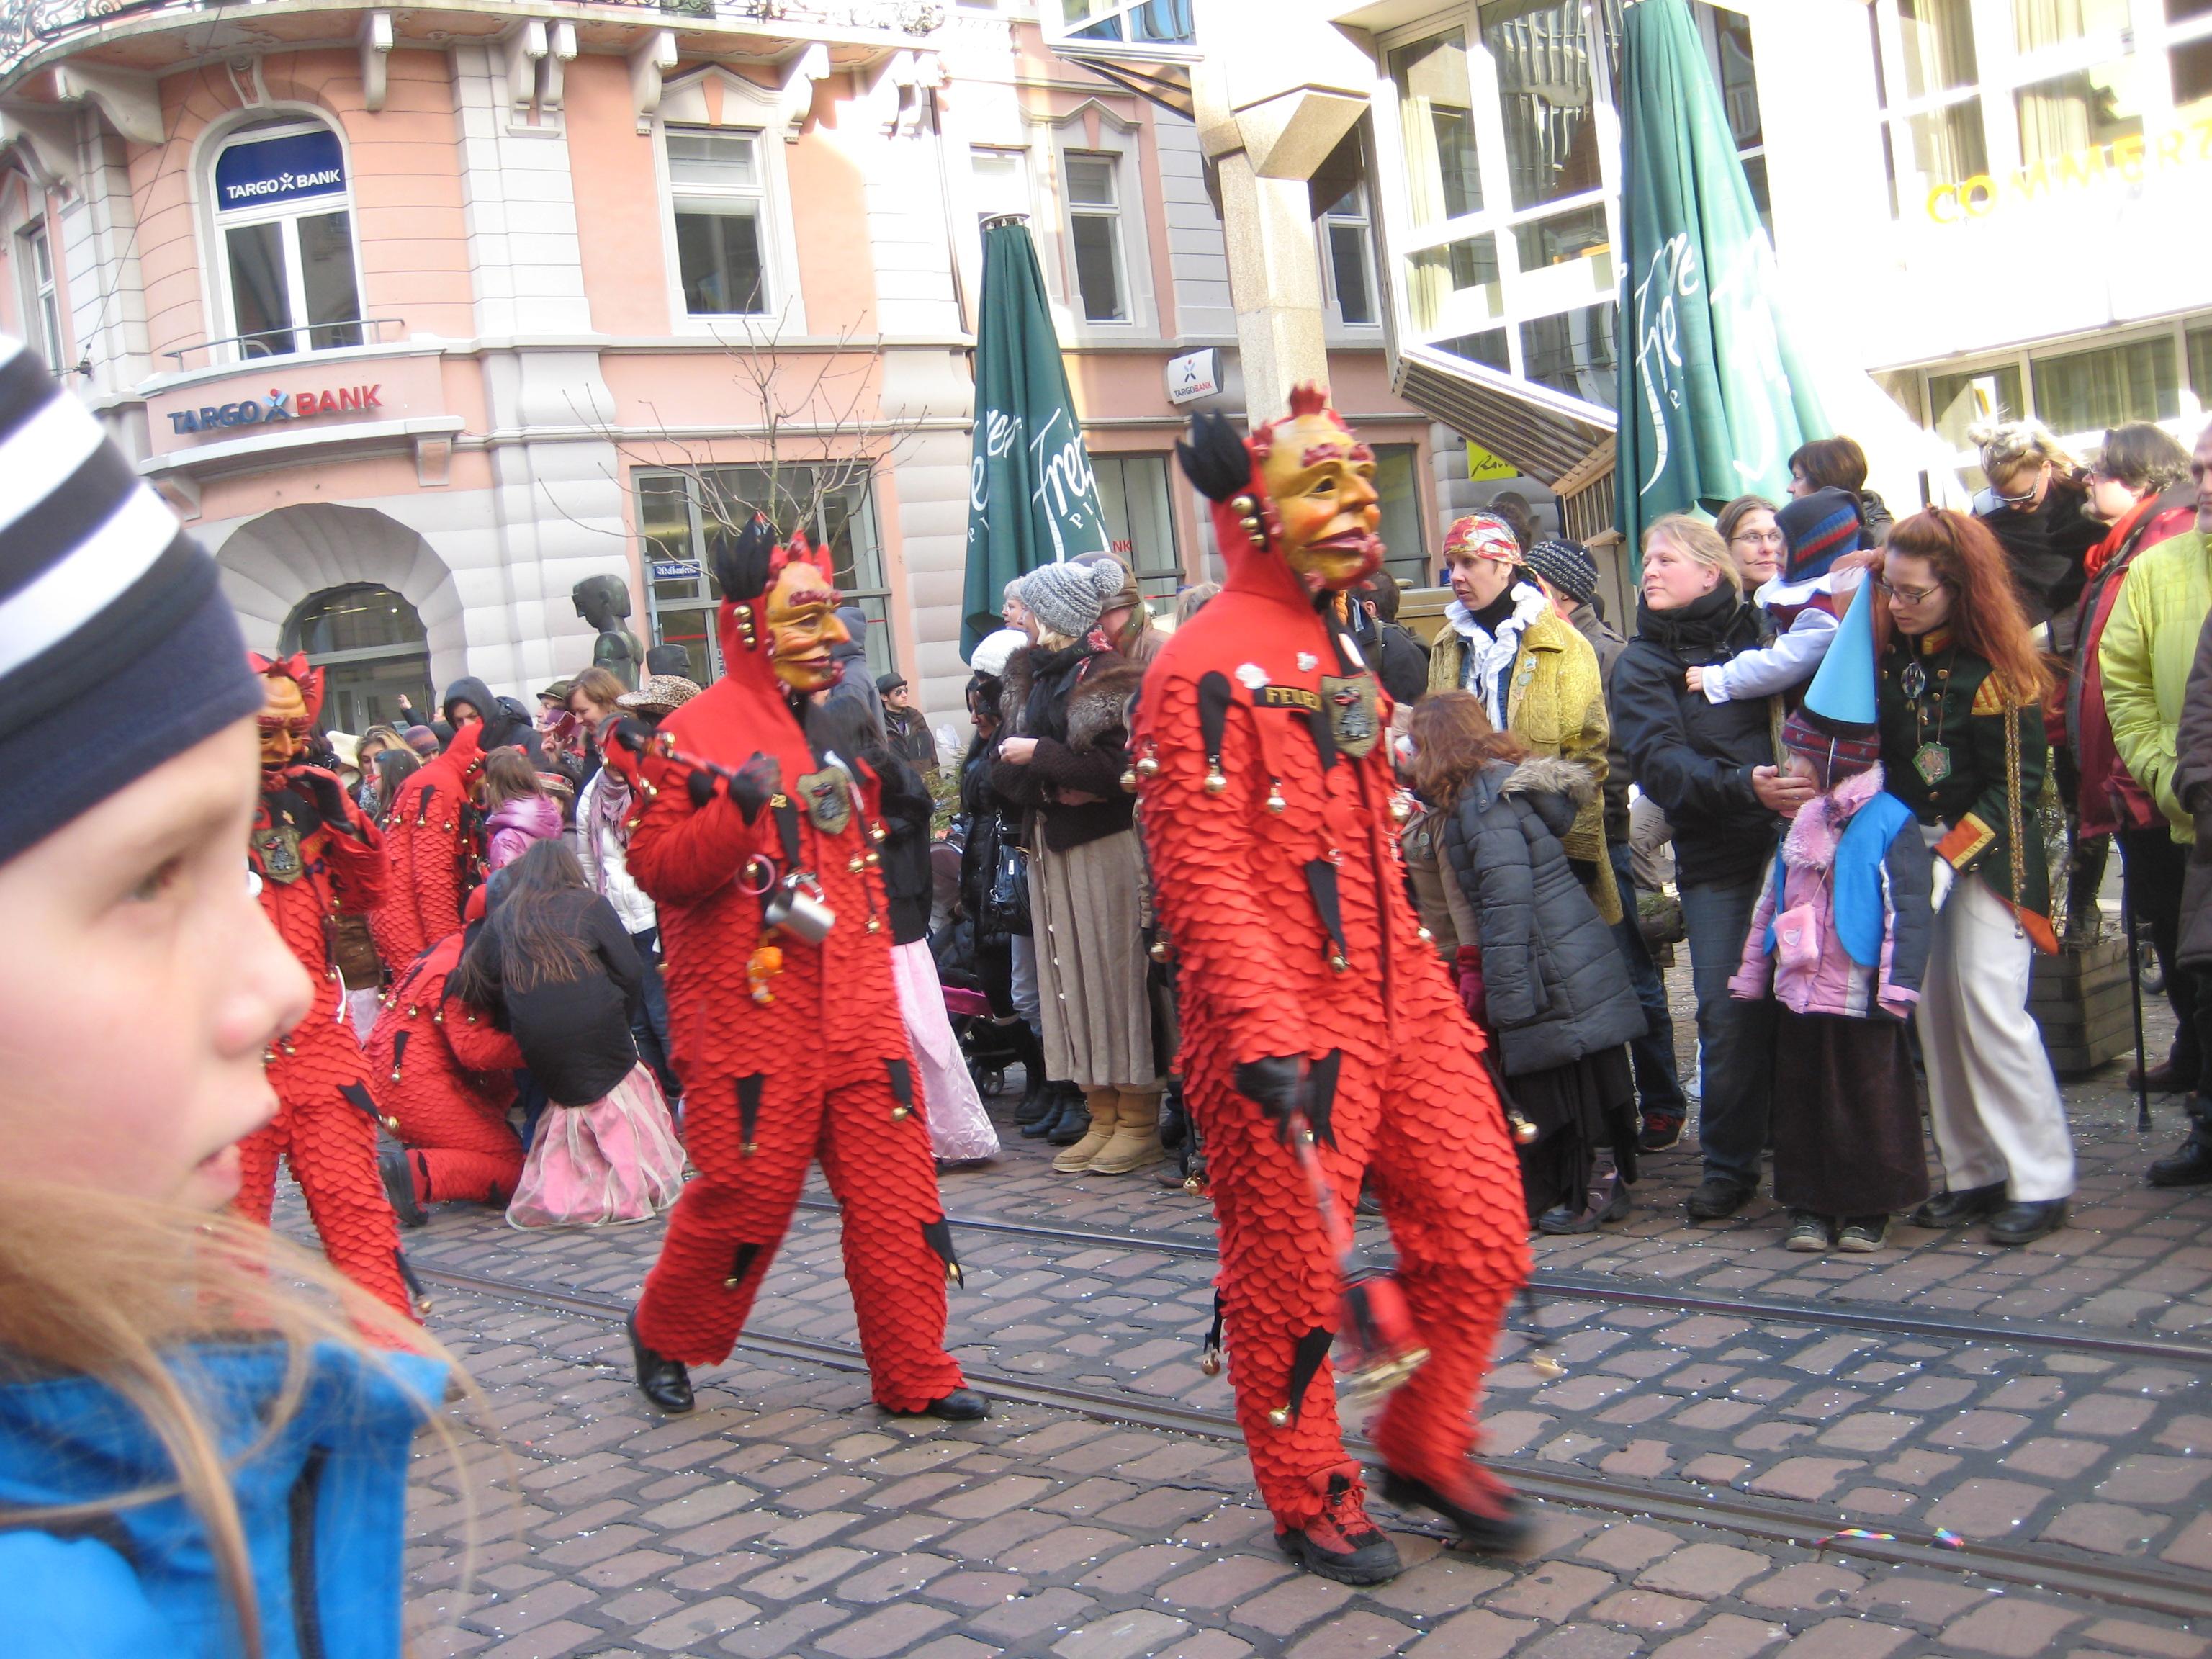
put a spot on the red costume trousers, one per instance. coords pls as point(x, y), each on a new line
point(1438, 1156)
point(331, 1143)
point(726, 1229)
point(458, 1150)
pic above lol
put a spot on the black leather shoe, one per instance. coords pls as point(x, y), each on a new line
point(663, 1382)
point(1073, 1122)
point(1035, 1097)
point(1488, 1516)
point(1950, 1209)
point(399, 1184)
point(1715, 1199)
point(961, 1405)
point(2023, 1224)
point(2190, 1166)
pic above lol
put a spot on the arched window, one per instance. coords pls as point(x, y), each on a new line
point(371, 644)
point(283, 221)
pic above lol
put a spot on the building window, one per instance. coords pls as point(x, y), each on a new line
point(1348, 236)
point(42, 311)
point(370, 644)
point(720, 204)
point(283, 216)
point(1132, 492)
point(1160, 25)
point(1502, 231)
point(1980, 100)
point(678, 512)
point(1094, 226)
point(1397, 481)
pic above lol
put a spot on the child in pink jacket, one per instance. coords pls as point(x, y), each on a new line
point(1840, 938)
point(517, 811)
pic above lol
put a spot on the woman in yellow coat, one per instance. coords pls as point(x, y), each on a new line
point(1537, 675)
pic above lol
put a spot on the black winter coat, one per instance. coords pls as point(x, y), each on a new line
point(1071, 700)
point(1552, 972)
point(574, 1034)
point(907, 810)
point(1694, 757)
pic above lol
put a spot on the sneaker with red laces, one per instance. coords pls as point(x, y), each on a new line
point(1341, 1543)
point(1490, 1516)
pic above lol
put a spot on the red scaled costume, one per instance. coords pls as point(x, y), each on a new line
point(447, 1078)
point(317, 855)
point(1267, 808)
point(433, 851)
point(789, 1051)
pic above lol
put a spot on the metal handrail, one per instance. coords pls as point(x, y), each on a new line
point(265, 355)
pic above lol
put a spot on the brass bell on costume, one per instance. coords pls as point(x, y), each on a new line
point(1546, 1366)
point(900, 1113)
point(1275, 801)
point(1524, 1132)
point(1148, 765)
point(1210, 1362)
point(1280, 1417)
point(1425, 936)
point(1216, 781)
point(1129, 782)
point(1158, 949)
point(1399, 811)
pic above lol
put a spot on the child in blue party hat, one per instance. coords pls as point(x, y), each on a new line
point(1840, 938)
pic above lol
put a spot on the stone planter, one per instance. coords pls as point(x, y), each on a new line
point(2080, 998)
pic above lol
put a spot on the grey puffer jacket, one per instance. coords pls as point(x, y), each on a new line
point(1552, 972)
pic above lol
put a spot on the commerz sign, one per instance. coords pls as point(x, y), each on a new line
point(277, 407)
point(2129, 160)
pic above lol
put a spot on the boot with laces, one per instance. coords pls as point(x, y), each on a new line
point(1341, 1543)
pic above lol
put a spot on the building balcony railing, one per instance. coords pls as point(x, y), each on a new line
point(28, 26)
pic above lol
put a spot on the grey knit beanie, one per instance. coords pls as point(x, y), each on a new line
point(1067, 598)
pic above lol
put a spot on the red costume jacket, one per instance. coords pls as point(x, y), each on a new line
point(445, 1076)
point(327, 1120)
point(1267, 808)
point(433, 851)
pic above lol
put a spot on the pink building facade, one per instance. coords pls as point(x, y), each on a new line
point(421, 317)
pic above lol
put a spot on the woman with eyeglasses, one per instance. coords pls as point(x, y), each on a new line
point(2036, 505)
point(1962, 744)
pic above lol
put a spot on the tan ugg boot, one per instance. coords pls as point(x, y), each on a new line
point(1101, 1103)
point(1136, 1142)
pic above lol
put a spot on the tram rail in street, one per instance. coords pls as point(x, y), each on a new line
point(1590, 1288)
point(1811, 1525)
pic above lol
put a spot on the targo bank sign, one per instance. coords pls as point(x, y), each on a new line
point(279, 405)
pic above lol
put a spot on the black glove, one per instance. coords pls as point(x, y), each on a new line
point(756, 779)
point(328, 795)
point(1274, 1084)
point(700, 786)
point(631, 733)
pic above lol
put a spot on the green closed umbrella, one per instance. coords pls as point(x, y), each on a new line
point(1032, 500)
point(1713, 400)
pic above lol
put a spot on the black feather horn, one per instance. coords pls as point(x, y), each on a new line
point(1215, 458)
point(741, 561)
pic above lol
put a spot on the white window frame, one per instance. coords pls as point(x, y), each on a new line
point(708, 201)
point(2001, 73)
point(220, 222)
point(760, 113)
point(1065, 39)
point(41, 290)
point(1093, 129)
point(1114, 215)
point(1523, 297)
point(1361, 220)
point(2183, 425)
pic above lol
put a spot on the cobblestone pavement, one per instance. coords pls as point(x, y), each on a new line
point(789, 1516)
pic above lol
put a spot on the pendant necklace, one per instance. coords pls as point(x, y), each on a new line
point(1932, 760)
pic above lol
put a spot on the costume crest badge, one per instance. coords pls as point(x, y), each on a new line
point(829, 799)
point(1354, 712)
point(278, 847)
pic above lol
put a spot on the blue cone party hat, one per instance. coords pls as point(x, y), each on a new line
point(1841, 696)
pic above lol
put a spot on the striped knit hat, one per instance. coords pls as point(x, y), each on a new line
point(118, 652)
point(1819, 529)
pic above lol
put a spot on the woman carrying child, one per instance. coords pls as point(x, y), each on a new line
point(1841, 940)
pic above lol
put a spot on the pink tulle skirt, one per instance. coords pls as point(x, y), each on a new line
point(959, 1130)
point(616, 1160)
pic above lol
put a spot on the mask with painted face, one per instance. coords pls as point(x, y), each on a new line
point(803, 628)
point(292, 695)
point(1320, 478)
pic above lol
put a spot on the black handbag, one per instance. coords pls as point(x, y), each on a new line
point(1006, 900)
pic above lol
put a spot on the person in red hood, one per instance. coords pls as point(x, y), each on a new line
point(433, 852)
point(447, 1076)
point(317, 855)
point(761, 855)
point(1269, 809)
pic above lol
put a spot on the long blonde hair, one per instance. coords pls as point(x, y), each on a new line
point(2006, 446)
point(116, 1290)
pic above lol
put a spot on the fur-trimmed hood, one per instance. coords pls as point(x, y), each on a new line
point(1099, 705)
point(1557, 790)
